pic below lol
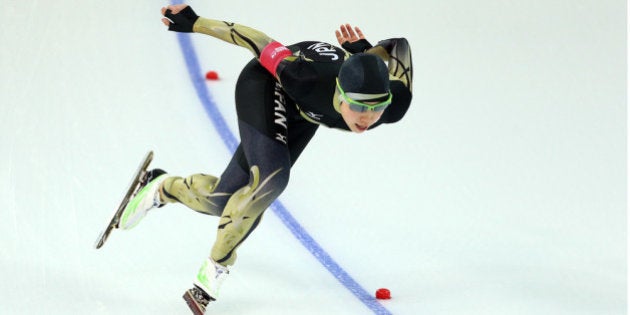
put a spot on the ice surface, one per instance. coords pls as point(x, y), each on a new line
point(503, 191)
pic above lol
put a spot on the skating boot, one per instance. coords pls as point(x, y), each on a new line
point(206, 286)
point(147, 198)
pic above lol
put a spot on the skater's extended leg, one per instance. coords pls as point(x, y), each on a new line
point(206, 193)
point(201, 192)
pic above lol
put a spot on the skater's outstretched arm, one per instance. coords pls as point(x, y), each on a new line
point(182, 18)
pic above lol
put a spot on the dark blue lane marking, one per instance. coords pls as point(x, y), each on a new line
point(197, 77)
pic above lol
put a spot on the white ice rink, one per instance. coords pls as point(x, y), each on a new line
point(502, 191)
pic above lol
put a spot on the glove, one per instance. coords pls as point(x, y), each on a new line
point(358, 46)
point(183, 21)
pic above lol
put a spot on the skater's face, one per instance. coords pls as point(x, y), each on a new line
point(358, 121)
point(360, 115)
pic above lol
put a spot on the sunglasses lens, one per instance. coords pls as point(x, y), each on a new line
point(358, 108)
point(380, 108)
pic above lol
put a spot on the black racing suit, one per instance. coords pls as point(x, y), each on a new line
point(277, 117)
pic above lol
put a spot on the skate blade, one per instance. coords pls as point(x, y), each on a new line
point(132, 189)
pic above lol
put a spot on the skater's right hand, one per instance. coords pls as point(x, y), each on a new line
point(179, 18)
point(351, 39)
point(347, 34)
